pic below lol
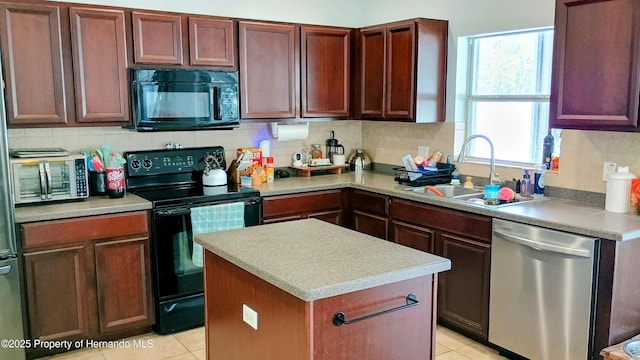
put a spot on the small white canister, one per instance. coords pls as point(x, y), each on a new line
point(619, 190)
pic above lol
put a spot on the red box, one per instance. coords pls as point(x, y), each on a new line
point(256, 154)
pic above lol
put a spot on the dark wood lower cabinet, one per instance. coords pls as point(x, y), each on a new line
point(369, 213)
point(87, 278)
point(463, 294)
point(413, 236)
point(465, 239)
point(324, 205)
point(57, 293)
point(122, 275)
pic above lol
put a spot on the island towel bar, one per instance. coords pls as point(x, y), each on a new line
point(338, 318)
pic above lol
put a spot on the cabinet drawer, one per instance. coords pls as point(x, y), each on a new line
point(68, 231)
point(301, 203)
point(475, 226)
point(368, 202)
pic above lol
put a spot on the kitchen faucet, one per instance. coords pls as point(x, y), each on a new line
point(493, 176)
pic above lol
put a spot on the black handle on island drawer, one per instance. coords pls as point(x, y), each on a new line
point(338, 318)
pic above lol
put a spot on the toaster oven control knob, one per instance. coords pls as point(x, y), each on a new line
point(147, 163)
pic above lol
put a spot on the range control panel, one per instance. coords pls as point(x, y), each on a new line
point(164, 162)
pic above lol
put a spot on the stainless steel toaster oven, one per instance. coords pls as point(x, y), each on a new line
point(49, 179)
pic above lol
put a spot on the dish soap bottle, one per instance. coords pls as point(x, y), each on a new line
point(469, 182)
point(525, 184)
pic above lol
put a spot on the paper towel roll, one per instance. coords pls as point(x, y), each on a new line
point(265, 145)
point(290, 132)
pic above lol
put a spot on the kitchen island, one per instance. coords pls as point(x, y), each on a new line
point(307, 289)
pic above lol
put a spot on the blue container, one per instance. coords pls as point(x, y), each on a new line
point(492, 194)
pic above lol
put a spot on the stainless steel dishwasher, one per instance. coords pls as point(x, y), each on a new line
point(541, 291)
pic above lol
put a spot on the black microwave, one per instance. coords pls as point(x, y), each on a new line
point(173, 100)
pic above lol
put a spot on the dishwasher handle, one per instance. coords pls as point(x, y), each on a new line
point(543, 246)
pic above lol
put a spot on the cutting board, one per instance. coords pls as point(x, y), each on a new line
point(307, 170)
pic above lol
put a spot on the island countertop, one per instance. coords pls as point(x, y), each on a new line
point(311, 259)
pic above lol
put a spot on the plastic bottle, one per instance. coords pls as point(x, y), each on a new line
point(455, 178)
point(525, 184)
point(270, 170)
point(538, 180)
point(469, 182)
point(115, 177)
point(547, 150)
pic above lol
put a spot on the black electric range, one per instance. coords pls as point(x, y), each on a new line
point(172, 181)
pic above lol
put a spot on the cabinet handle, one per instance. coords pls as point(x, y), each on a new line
point(339, 318)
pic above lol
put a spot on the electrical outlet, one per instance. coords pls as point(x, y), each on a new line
point(607, 169)
point(250, 316)
point(423, 151)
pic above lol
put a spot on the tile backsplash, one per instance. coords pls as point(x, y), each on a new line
point(582, 154)
point(348, 132)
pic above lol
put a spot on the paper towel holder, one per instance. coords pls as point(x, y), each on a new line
point(275, 128)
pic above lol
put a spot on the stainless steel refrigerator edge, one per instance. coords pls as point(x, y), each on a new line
point(11, 330)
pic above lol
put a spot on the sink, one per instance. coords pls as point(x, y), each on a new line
point(478, 200)
point(471, 196)
point(449, 191)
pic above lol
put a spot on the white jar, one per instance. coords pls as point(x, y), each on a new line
point(619, 191)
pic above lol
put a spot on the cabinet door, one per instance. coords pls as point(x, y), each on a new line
point(100, 65)
point(211, 42)
point(400, 66)
point(325, 71)
point(56, 292)
point(595, 82)
point(463, 291)
point(371, 75)
point(34, 68)
point(370, 224)
point(333, 217)
point(157, 38)
point(413, 236)
point(123, 284)
point(269, 70)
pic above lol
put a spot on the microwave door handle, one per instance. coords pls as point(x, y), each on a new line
point(47, 170)
point(216, 103)
point(43, 181)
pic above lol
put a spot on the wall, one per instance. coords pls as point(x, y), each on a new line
point(582, 151)
point(326, 12)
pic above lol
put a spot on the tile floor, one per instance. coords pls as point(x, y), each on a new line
point(189, 345)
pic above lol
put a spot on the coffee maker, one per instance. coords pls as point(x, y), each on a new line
point(333, 147)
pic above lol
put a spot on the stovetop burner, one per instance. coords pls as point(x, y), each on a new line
point(174, 177)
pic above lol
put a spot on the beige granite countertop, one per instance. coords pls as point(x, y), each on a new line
point(564, 215)
point(312, 259)
point(94, 205)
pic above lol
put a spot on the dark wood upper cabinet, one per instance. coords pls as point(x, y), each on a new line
point(595, 79)
point(269, 70)
point(211, 42)
point(157, 38)
point(100, 65)
point(372, 72)
point(402, 71)
point(37, 73)
point(325, 70)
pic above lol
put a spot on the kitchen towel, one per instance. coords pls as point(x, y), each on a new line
point(207, 219)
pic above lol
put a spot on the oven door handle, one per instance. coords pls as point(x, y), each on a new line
point(173, 212)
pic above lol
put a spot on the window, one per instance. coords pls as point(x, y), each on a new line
point(509, 81)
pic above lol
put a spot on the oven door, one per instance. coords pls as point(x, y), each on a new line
point(177, 272)
point(178, 280)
